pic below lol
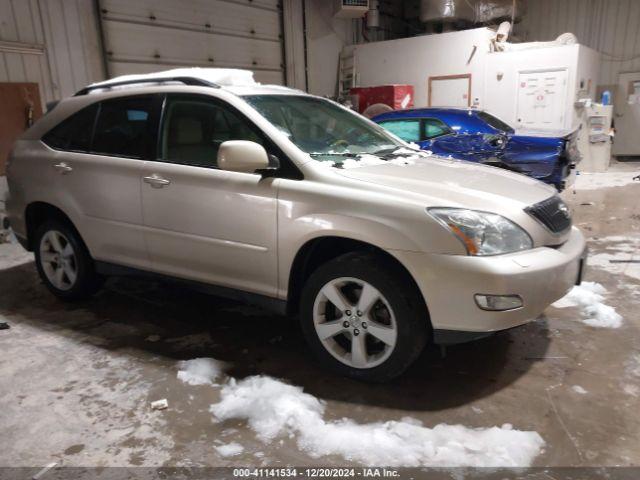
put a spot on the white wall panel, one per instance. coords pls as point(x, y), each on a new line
point(152, 35)
point(611, 27)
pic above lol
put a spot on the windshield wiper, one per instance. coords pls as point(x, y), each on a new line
point(334, 154)
point(385, 151)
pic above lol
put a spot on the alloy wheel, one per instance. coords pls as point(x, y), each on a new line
point(354, 322)
point(58, 260)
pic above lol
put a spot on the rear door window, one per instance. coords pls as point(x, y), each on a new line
point(74, 134)
point(408, 130)
point(124, 127)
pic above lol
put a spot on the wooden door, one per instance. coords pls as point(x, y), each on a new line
point(20, 106)
point(450, 91)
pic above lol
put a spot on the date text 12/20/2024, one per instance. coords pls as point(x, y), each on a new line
point(315, 473)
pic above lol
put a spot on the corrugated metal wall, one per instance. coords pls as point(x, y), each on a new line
point(54, 43)
point(611, 27)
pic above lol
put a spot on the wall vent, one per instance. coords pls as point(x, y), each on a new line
point(351, 8)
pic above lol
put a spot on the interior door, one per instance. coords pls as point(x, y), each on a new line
point(203, 223)
point(450, 91)
point(542, 99)
point(20, 108)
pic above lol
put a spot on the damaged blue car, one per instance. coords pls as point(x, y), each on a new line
point(478, 136)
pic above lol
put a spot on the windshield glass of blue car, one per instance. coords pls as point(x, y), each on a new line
point(323, 129)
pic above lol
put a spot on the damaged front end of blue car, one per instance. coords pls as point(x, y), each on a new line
point(478, 136)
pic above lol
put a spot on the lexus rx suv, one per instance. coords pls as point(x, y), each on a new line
point(292, 202)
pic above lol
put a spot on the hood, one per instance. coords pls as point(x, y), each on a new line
point(456, 183)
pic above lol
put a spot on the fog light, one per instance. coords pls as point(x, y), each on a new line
point(498, 303)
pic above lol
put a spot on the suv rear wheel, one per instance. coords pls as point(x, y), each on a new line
point(363, 317)
point(63, 262)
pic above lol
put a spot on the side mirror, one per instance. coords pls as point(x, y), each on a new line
point(242, 156)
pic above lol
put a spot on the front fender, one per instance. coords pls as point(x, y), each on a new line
point(310, 210)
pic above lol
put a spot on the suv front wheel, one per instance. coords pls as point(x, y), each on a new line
point(363, 317)
point(63, 262)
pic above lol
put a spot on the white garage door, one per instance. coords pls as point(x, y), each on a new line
point(151, 35)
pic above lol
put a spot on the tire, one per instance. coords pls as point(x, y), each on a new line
point(392, 332)
point(64, 263)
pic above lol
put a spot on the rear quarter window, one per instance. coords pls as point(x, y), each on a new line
point(434, 128)
point(73, 134)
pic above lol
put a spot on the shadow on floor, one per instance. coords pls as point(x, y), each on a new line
point(127, 313)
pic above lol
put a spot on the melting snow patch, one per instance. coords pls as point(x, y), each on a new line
point(632, 390)
point(230, 449)
point(273, 408)
point(619, 259)
point(588, 297)
point(200, 371)
point(594, 181)
point(633, 365)
point(578, 389)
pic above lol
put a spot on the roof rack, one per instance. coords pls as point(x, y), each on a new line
point(192, 81)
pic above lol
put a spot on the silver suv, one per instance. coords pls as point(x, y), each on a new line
point(289, 201)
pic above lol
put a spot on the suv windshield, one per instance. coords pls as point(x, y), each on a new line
point(321, 128)
point(495, 122)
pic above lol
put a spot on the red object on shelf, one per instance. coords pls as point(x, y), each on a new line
point(398, 97)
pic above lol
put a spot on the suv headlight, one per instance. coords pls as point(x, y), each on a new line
point(483, 233)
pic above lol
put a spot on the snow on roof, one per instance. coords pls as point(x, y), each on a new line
point(225, 77)
point(259, 89)
point(240, 82)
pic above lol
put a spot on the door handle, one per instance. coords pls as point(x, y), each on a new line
point(63, 168)
point(156, 181)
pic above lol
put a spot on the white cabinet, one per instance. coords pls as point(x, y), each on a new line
point(541, 99)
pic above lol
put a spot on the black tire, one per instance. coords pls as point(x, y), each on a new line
point(401, 293)
point(87, 282)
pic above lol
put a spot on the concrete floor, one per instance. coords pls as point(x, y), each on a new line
point(76, 380)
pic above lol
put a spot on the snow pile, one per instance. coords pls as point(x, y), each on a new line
point(227, 77)
point(230, 449)
point(595, 181)
point(363, 160)
point(402, 156)
point(200, 371)
point(273, 408)
point(13, 255)
point(588, 296)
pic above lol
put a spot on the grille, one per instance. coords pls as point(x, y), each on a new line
point(553, 213)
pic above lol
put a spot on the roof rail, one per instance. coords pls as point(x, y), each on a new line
point(193, 81)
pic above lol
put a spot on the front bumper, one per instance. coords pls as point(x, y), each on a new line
point(449, 282)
